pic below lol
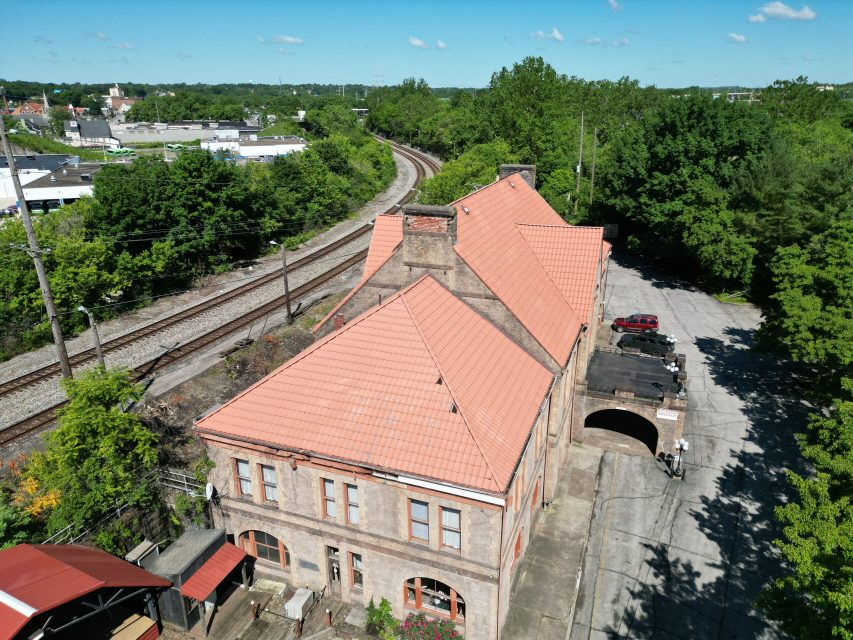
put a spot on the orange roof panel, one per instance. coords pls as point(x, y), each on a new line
point(208, 576)
point(420, 384)
point(571, 256)
point(387, 236)
point(489, 241)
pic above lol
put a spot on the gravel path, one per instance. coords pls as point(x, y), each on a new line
point(35, 398)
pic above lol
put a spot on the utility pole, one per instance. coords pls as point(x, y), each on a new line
point(286, 285)
point(35, 253)
point(580, 162)
point(592, 175)
point(96, 340)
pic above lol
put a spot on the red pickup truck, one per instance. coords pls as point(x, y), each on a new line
point(636, 323)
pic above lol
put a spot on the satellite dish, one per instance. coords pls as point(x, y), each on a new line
point(209, 490)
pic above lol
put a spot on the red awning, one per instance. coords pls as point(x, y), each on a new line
point(211, 573)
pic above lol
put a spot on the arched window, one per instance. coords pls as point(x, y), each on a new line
point(432, 596)
point(265, 547)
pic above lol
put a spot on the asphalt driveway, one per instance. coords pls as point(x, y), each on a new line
point(686, 559)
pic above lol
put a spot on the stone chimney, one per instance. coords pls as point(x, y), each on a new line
point(429, 233)
point(527, 171)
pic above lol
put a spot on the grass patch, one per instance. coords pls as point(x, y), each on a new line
point(318, 311)
point(738, 297)
point(282, 128)
point(40, 144)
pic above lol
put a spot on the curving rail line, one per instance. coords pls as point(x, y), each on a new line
point(39, 421)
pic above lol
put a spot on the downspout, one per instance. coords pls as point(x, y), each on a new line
point(500, 572)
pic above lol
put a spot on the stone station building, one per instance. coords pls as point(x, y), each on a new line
point(408, 453)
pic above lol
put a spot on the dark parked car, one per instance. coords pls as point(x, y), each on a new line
point(655, 344)
point(636, 323)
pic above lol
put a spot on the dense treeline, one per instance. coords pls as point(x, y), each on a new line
point(153, 227)
point(751, 198)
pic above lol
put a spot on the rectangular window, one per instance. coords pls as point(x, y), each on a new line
point(244, 477)
point(451, 528)
point(356, 571)
point(352, 504)
point(419, 520)
point(270, 485)
point(329, 506)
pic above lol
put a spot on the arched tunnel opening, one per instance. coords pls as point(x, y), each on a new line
point(622, 427)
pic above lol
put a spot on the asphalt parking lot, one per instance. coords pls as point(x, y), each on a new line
point(686, 559)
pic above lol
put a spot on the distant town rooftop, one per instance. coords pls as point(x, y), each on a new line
point(67, 176)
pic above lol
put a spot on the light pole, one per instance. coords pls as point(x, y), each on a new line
point(286, 286)
point(95, 339)
point(682, 445)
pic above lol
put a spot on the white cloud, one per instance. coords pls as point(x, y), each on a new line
point(621, 42)
point(737, 37)
point(440, 44)
point(784, 12)
point(122, 45)
point(554, 35)
point(260, 39)
point(417, 42)
point(284, 51)
point(287, 40)
point(615, 5)
point(758, 17)
point(98, 35)
point(591, 41)
point(185, 56)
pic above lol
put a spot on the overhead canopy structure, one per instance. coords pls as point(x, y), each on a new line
point(213, 572)
point(37, 578)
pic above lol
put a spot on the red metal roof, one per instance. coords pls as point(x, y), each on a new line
point(387, 236)
point(211, 573)
point(420, 384)
point(37, 578)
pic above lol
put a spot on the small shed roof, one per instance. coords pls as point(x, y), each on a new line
point(179, 555)
point(207, 578)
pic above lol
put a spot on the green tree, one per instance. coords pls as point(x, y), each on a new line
point(814, 600)
point(479, 166)
point(100, 456)
point(810, 317)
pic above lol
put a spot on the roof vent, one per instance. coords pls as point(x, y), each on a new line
point(466, 210)
point(453, 408)
point(439, 381)
point(512, 184)
point(53, 178)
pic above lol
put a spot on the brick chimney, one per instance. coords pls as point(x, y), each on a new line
point(429, 233)
point(527, 171)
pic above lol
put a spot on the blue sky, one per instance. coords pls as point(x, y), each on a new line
point(448, 43)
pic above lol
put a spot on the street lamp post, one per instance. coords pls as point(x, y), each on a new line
point(286, 285)
point(95, 339)
point(682, 445)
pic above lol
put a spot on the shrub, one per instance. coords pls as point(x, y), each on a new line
point(418, 627)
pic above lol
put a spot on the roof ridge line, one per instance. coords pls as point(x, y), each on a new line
point(547, 273)
point(450, 389)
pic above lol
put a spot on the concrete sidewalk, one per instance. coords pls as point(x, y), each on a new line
point(543, 597)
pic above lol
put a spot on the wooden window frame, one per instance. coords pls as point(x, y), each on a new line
point(238, 478)
point(264, 484)
point(328, 498)
point(249, 540)
point(352, 504)
point(353, 571)
point(535, 500)
point(453, 615)
point(414, 538)
point(441, 511)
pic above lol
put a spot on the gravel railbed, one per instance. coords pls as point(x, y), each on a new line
point(32, 399)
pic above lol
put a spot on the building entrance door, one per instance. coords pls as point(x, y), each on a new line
point(333, 559)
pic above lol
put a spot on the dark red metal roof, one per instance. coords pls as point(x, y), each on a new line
point(211, 573)
point(35, 578)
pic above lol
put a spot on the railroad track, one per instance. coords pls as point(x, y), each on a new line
point(44, 418)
